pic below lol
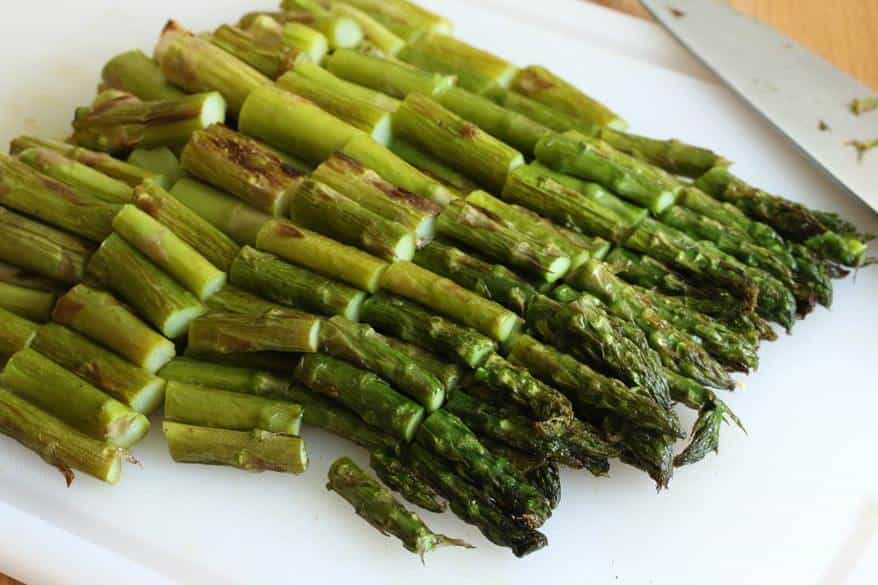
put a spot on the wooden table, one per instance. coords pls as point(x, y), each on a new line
point(843, 31)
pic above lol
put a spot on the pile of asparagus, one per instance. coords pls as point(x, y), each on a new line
point(339, 215)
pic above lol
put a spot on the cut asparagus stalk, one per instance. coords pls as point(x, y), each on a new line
point(208, 407)
point(60, 393)
point(374, 31)
point(593, 160)
point(236, 333)
point(271, 58)
point(368, 189)
point(121, 122)
point(292, 286)
point(228, 214)
point(678, 351)
point(196, 65)
point(341, 32)
point(162, 302)
point(363, 392)
point(137, 74)
point(363, 347)
point(237, 300)
point(395, 170)
point(11, 274)
point(129, 174)
point(448, 298)
point(214, 245)
point(84, 180)
point(32, 304)
point(545, 87)
point(161, 161)
point(404, 18)
point(472, 505)
point(16, 333)
point(401, 478)
point(477, 71)
point(448, 374)
point(455, 181)
point(484, 231)
point(27, 191)
point(261, 360)
point(588, 389)
point(413, 324)
point(515, 385)
point(452, 139)
point(334, 418)
point(103, 319)
point(321, 208)
point(41, 249)
point(387, 76)
point(231, 378)
point(243, 167)
point(294, 35)
point(280, 16)
point(321, 254)
point(445, 435)
point(56, 442)
point(294, 125)
point(255, 450)
point(169, 252)
point(492, 281)
point(333, 84)
point(130, 385)
point(379, 508)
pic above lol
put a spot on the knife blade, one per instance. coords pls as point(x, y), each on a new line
point(802, 95)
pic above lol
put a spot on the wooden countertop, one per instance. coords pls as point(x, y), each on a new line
point(845, 32)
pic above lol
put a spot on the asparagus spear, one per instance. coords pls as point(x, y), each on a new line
point(232, 378)
point(270, 361)
point(484, 231)
point(130, 385)
point(472, 505)
point(380, 509)
point(57, 443)
point(452, 139)
point(100, 317)
point(129, 174)
point(294, 35)
point(207, 240)
point(15, 275)
point(196, 65)
point(374, 32)
point(242, 167)
point(268, 56)
point(448, 374)
point(341, 31)
point(25, 190)
point(449, 299)
point(344, 100)
point(293, 124)
point(325, 210)
point(492, 281)
point(16, 333)
point(292, 286)
point(404, 18)
point(477, 71)
point(32, 304)
point(388, 76)
point(413, 324)
point(543, 474)
point(678, 351)
point(445, 435)
point(332, 417)
point(363, 392)
point(232, 299)
point(512, 384)
point(169, 252)
point(161, 161)
point(41, 249)
point(368, 189)
point(84, 180)
point(221, 409)
point(119, 122)
point(162, 302)
point(544, 86)
point(365, 348)
point(402, 478)
point(255, 450)
point(137, 74)
point(727, 214)
point(456, 182)
point(226, 213)
point(61, 393)
point(236, 333)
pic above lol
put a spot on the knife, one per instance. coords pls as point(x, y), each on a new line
point(805, 97)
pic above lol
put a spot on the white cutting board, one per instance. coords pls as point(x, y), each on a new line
point(796, 501)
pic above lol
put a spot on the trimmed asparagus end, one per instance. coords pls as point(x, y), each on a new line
point(352, 312)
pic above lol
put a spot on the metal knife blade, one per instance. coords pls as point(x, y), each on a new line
point(803, 95)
